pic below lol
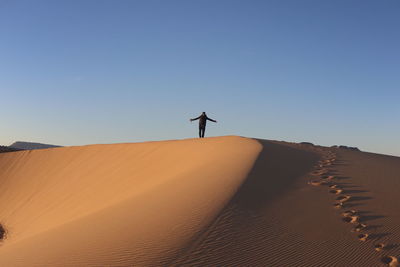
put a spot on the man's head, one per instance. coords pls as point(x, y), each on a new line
point(204, 113)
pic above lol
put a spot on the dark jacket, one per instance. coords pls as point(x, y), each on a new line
point(203, 120)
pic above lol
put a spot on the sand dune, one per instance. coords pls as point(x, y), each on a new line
point(120, 204)
point(277, 219)
point(226, 201)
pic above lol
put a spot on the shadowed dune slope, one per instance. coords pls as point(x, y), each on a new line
point(246, 233)
point(373, 181)
point(120, 204)
point(277, 218)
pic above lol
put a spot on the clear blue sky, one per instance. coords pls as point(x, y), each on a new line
point(83, 72)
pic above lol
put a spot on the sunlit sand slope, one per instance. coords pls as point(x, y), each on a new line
point(121, 204)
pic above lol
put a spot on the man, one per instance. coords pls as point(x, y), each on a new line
point(202, 123)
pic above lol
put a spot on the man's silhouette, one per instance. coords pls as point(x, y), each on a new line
point(202, 123)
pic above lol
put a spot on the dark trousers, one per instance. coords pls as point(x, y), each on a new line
point(202, 131)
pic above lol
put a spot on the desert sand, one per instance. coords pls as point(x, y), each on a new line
point(224, 201)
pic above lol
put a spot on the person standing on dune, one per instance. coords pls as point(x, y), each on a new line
point(202, 123)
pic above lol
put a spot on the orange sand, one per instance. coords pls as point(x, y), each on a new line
point(226, 201)
point(122, 204)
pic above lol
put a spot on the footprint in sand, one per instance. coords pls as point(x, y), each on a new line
point(390, 261)
point(363, 237)
point(350, 216)
point(343, 199)
point(379, 247)
point(333, 186)
point(359, 227)
point(317, 182)
point(349, 213)
point(320, 172)
point(351, 219)
point(328, 177)
point(336, 191)
point(338, 205)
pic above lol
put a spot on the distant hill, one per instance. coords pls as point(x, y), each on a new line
point(31, 146)
point(7, 149)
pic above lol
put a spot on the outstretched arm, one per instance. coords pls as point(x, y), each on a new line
point(211, 119)
point(195, 118)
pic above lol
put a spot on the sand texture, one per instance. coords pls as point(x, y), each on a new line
point(115, 205)
point(286, 212)
point(226, 201)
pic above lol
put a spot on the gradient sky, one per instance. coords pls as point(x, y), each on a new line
point(84, 72)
